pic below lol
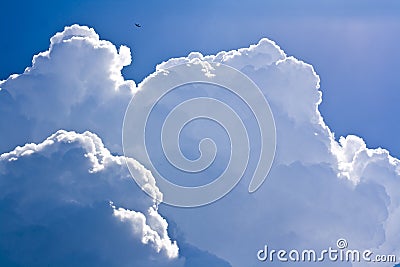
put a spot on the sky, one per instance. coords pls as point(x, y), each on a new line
point(328, 71)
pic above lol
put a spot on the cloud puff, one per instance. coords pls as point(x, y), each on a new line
point(76, 84)
point(319, 189)
point(68, 201)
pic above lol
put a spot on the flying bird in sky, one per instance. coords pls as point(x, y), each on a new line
point(137, 25)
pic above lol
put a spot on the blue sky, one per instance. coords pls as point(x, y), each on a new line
point(352, 45)
point(62, 169)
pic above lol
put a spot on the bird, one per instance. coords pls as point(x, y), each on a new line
point(137, 25)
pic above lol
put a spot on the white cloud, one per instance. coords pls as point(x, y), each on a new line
point(68, 201)
point(71, 173)
point(318, 190)
point(159, 239)
point(81, 74)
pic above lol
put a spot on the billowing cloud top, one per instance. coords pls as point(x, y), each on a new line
point(69, 189)
point(64, 192)
point(319, 190)
point(81, 74)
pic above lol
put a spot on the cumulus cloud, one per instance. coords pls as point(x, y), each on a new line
point(319, 189)
point(69, 197)
point(76, 84)
point(69, 201)
point(70, 190)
